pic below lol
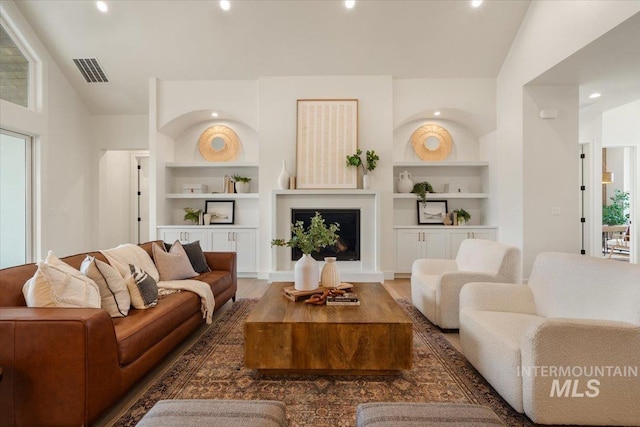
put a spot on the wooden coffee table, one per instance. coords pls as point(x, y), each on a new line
point(282, 336)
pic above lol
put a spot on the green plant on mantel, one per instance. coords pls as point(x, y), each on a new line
point(462, 215)
point(613, 214)
point(314, 238)
point(192, 215)
point(421, 189)
point(368, 165)
point(240, 178)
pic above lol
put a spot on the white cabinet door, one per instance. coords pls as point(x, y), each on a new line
point(186, 235)
point(457, 236)
point(242, 241)
point(408, 249)
point(415, 243)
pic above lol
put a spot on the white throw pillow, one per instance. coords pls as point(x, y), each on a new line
point(128, 253)
point(57, 284)
point(173, 265)
point(114, 295)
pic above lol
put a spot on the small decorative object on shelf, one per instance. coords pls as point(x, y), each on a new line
point(283, 178)
point(432, 212)
point(206, 219)
point(421, 189)
point(405, 184)
point(292, 183)
point(192, 215)
point(330, 276)
point(306, 271)
point(462, 216)
point(241, 183)
point(367, 166)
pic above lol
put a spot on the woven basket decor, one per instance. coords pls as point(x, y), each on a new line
point(433, 152)
point(226, 152)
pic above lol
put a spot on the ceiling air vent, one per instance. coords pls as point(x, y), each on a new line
point(91, 70)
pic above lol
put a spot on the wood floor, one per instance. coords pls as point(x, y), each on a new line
point(247, 288)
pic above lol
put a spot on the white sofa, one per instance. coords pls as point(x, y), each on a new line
point(436, 283)
point(577, 314)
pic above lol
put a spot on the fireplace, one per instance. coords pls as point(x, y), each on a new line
point(348, 246)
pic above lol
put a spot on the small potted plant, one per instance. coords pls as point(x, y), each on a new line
point(421, 189)
point(370, 163)
point(315, 237)
point(462, 216)
point(192, 215)
point(241, 183)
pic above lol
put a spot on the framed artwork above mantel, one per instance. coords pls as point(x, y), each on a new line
point(327, 131)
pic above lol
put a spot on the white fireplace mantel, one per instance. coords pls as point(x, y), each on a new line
point(368, 201)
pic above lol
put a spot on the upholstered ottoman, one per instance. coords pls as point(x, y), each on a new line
point(392, 414)
point(211, 413)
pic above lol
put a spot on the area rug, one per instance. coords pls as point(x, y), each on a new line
point(213, 368)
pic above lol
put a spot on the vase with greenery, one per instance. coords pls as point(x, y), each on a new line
point(421, 189)
point(614, 214)
point(462, 216)
point(241, 183)
point(192, 215)
point(368, 165)
point(313, 238)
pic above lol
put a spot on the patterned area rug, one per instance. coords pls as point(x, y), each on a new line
point(213, 368)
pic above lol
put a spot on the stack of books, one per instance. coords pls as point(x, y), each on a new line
point(345, 299)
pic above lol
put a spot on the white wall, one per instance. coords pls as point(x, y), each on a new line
point(114, 189)
point(551, 212)
point(65, 177)
point(545, 38)
point(277, 117)
point(120, 132)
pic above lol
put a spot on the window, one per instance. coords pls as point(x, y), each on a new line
point(14, 71)
point(16, 224)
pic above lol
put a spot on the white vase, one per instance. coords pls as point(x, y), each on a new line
point(206, 219)
point(405, 184)
point(330, 276)
point(283, 178)
point(365, 182)
point(306, 273)
point(242, 187)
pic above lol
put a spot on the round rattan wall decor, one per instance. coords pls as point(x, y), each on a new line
point(218, 144)
point(431, 142)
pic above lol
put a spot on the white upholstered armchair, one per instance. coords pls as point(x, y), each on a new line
point(436, 283)
point(566, 348)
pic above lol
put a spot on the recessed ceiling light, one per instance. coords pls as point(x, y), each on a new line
point(349, 4)
point(476, 3)
point(102, 6)
point(437, 113)
point(214, 114)
point(225, 4)
point(595, 95)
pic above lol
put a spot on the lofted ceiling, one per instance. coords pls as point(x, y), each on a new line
point(196, 40)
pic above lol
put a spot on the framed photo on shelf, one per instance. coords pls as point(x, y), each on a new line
point(432, 212)
point(221, 211)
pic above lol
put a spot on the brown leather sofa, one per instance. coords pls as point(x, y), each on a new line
point(66, 366)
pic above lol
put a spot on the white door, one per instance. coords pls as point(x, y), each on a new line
point(142, 199)
point(433, 244)
point(220, 239)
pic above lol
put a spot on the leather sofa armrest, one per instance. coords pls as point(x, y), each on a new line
point(60, 365)
point(508, 297)
point(221, 261)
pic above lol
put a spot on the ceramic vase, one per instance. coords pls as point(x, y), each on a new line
point(405, 184)
point(206, 219)
point(330, 276)
point(306, 273)
point(365, 182)
point(242, 187)
point(283, 178)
